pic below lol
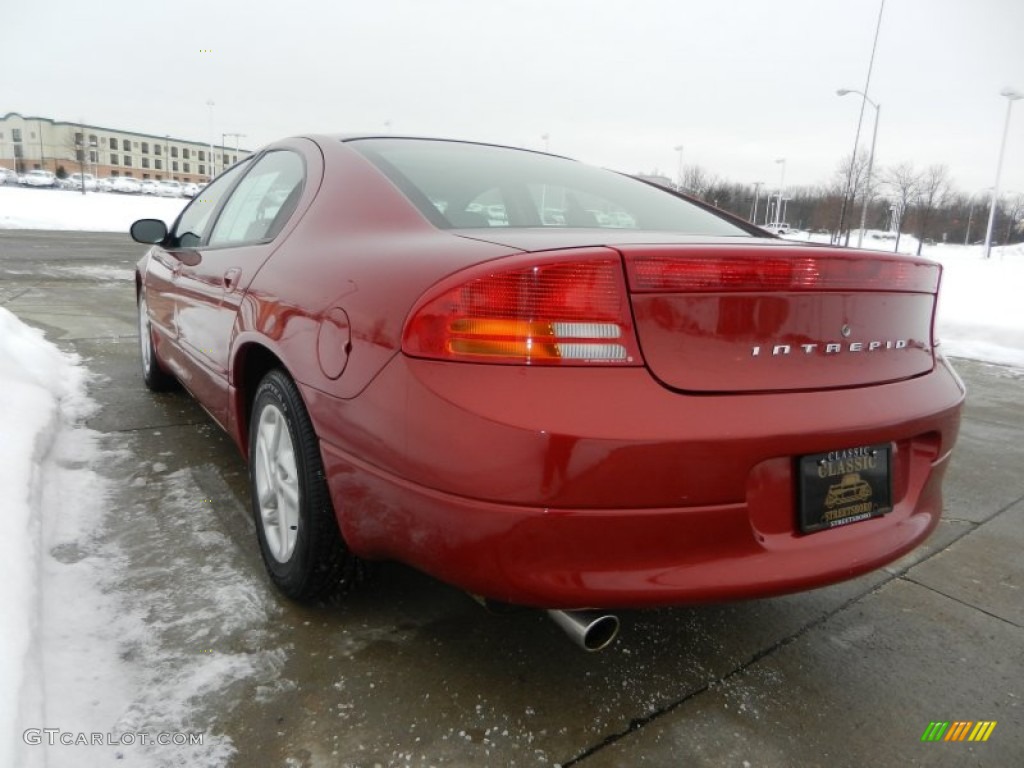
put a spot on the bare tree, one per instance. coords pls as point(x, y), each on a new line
point(1014, 214)
point(905, 183)
point(74, 150)
point(856, 175)
point(698, 182)
point(932, 193)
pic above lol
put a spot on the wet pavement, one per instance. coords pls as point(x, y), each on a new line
point(408, 671)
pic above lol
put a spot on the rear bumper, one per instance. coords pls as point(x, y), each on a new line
point(534, 489)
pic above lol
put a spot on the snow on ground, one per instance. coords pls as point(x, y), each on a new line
point(85, 640)
point(25, 208)
point(44, 392)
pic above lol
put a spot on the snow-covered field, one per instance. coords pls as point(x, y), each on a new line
point(53, 498)
point(24, 208)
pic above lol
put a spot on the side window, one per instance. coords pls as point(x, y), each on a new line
point(195, 219)
point(263, 201)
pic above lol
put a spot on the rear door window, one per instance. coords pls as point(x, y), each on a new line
point(263, 201)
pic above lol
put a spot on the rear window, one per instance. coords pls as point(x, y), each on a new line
point(458, 185)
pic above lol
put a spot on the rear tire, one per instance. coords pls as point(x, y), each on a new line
point(153, 374)
point(302, 548)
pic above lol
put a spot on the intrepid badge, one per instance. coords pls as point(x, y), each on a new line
point(830, 348)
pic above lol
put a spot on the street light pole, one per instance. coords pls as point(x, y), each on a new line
point(213, 166)
point(782, 185)
point(871, 160)
point(860, 120)
point(237, 136)
point(679, 174)
point(1011, 96)
point(757, 197)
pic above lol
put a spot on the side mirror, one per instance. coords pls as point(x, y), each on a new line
point(148, 231)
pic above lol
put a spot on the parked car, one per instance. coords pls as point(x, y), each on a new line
point(126, 184)
point(781, 228)
point(7, 176)
point(169, 188)
point(563, 417)
point(40, 179)
point(106, 184)
point(189, 189)
point(76, 180)
point(148, 186)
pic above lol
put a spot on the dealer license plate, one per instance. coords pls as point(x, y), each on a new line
point(845, 486)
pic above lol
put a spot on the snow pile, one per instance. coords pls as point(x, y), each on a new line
point(978, 314)
point(91, 212)
point(43, 390)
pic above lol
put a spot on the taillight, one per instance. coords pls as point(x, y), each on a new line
point(735, 269)
point(555, 309)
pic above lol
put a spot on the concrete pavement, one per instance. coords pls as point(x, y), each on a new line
point(408, 671)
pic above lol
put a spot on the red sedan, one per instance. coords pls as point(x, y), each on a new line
point(548, 384)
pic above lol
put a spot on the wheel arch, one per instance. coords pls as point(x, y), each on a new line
point(252, 362)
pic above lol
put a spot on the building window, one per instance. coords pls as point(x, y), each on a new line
point(202, 156)
point(93, 156)
point(16, 134)
point(174, 151)
point(113, 143)
point(184, 153)
point(157, 149)
point(113, 159)
point(78, 139)
point(93, 140)
point(145, 147)
point(202, 168)
point(185, 168)
point(174, 166)
point(158, 164)
point(128, 160)
point(145, 164)
point(224, 159)
point(126, 145)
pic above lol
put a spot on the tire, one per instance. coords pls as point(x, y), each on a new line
point(153, 374)
point(302, 548)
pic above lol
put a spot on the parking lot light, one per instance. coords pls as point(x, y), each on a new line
point(1011, 96)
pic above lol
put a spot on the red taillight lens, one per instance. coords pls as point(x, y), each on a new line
point(727, 270)
point(549, 312)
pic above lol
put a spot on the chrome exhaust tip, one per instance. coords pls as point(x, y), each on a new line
point(590, 630)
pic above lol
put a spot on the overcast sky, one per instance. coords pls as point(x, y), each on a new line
point(738, 83)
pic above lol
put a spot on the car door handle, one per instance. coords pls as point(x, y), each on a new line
point(231, 278)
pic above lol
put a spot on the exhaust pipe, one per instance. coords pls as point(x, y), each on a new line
point(590, 630)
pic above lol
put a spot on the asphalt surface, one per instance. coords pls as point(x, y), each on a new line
point(408, 671)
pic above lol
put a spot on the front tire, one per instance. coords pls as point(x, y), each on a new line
point(302, 548)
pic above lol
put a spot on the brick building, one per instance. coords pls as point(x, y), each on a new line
point(28, 143)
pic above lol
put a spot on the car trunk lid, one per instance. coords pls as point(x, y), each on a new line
point(744, 318)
